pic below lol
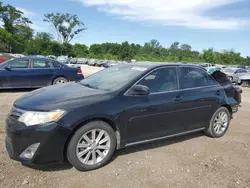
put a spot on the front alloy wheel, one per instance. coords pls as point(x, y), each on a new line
point(91, 146)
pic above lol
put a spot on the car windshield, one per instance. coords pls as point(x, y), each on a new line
point(113, 78)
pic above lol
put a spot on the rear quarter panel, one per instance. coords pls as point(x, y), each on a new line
point(68, 72)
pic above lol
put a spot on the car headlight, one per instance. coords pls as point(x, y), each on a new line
point(30, 118)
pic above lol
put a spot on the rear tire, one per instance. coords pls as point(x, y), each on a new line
point(60, 80)
point(219, 123)
point(92, 146)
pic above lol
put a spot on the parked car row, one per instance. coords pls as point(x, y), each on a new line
point(96, 62)
point(236, 73)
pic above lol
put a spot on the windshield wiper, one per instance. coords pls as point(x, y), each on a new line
point(89, 86)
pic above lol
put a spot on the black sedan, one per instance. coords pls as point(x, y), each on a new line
point(125, 105)
point(34, 72)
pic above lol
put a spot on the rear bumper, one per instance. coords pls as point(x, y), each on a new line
point(79, 77)
point(235, 108)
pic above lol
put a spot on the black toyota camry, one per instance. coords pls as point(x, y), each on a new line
point(86, 121)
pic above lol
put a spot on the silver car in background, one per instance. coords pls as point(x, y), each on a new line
point(235, 73)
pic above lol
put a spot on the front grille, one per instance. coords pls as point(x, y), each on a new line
point(16, 113)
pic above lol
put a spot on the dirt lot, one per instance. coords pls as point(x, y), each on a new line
point(188, 161)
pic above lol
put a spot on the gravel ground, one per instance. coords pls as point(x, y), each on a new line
point(188, 161)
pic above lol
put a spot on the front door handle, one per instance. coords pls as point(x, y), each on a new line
point(177, 99)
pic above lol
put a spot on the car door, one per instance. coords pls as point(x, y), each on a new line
point(201, 96)
point(154, 115)
point(17, 73)
point(4, 78)
point(42, 72)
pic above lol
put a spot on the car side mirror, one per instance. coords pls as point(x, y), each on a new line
point(7, 68)
point(139, 90)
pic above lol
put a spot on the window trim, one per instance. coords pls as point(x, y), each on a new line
point(53, 61)
point(199, 87)
point(156, 93)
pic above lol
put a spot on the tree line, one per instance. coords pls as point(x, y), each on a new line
point(17, 36)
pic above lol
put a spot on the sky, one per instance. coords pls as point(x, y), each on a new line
point(218, 24)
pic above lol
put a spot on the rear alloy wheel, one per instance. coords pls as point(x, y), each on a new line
point(92, 146)
point(219, 123)
point(60, 80)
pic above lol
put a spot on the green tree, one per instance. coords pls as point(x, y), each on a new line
point(41, 44)
point(209, 56)
point(125, 51)
point(67, 26)
point(17, 29)
point(175, 46)
point(12, 18)
point(95, 49)
point(80, 50)
point(6, 39)
point(56, 48)
point(186, 47)
point(247, 61)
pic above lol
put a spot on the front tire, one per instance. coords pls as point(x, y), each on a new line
point(219, 123)
point(92, 146)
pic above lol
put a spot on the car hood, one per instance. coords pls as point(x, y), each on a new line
point(64, 96)
point(228, 73)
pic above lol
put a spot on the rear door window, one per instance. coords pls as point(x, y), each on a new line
point(41, 64)
point(192, 77)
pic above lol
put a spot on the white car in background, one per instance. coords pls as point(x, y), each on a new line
point(234, 74)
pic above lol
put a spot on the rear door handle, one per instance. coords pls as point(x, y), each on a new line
point(177, 99)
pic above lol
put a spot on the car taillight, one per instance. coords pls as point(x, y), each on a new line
point(79, 70)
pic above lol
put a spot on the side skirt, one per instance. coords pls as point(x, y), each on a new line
point(164, 137)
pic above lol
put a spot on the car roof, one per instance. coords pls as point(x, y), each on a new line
point(151, 65)
point(33, 57)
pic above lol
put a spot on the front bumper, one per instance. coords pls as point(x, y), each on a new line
point(52, 138)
